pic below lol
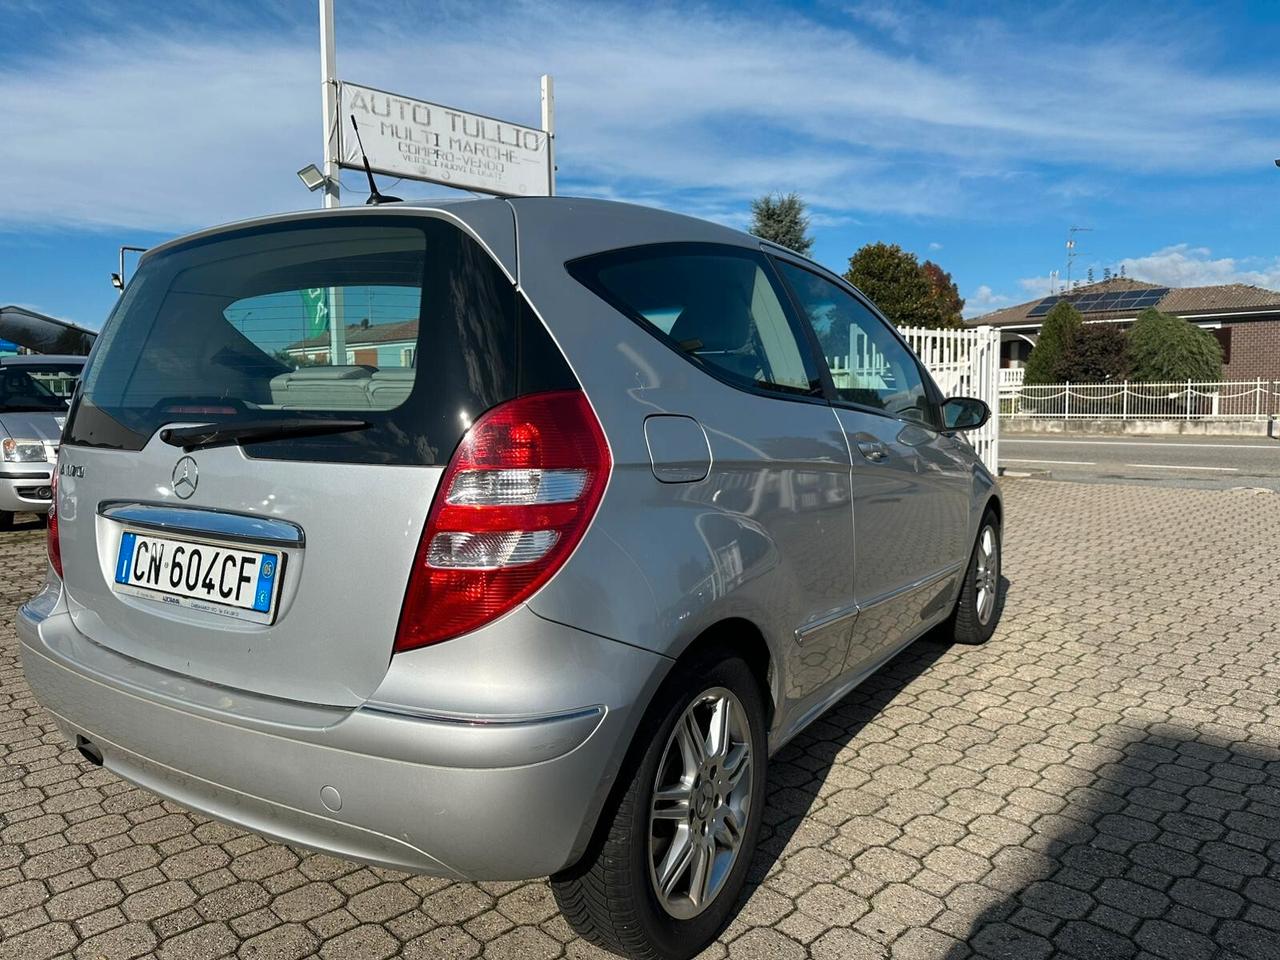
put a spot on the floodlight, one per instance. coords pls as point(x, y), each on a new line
point(311, 177)
point(116, 281)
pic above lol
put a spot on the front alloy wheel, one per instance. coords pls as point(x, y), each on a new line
point(978, 607)
point(987, 574)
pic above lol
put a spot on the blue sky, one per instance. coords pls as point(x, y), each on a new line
point(973, 134)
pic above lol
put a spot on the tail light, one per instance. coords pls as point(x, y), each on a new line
point(516, 498)
point(52, 542)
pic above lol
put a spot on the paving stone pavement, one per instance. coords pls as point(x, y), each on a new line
point(1101, 780)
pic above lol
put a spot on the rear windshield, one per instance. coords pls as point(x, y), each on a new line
point(405, 324)
point(36, 387)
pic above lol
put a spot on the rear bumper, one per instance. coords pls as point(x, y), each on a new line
point(24, 487)
point(448, 795)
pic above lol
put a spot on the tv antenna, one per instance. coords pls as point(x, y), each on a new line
point(1071, 250)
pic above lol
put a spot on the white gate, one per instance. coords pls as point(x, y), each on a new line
point(965, 363)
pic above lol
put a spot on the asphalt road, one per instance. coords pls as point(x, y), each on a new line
point(1214, 463)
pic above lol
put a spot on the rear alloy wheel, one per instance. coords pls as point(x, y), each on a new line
point(671, 857)
point(701, 801)
point(978, 608)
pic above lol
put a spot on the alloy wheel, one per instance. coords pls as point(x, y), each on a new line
point(701, 802)
point(987, 577)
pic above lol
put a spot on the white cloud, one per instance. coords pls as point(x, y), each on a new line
point(890, 20)
point(1183, 265)
point(934, 245)
point(174, 126)
point(1038, 286)
point(983, 300)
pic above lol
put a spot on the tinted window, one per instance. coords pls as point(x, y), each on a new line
point(242, 325)
point(869, 365)
point(719, 306)
point(34, 387)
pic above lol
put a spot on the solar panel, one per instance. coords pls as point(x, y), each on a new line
point(1150, 298)
point(1043, 307)
point(1105, 302)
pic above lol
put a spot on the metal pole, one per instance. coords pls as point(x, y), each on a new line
point(123, 250)
point(329, 102)
point(549, 128)
point(332, 171)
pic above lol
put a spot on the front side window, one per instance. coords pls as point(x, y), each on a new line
point(869, 365)
point(719, 306)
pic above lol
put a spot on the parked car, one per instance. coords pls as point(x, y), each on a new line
point(34, 393)
point(575, 533)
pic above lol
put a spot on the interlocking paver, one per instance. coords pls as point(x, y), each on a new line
point(1101, 779)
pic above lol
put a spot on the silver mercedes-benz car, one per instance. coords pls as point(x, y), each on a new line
point(34, 393)
point(498, 539)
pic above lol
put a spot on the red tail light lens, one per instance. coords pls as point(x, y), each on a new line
point(51, 537)
point(516, 498)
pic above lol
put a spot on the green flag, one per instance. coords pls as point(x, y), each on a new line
point(315, 301)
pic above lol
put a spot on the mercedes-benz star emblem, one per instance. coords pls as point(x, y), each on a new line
point(185, 477)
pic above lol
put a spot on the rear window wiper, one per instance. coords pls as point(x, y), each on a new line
point(206, 435)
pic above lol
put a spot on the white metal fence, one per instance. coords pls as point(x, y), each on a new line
point(963, 363)
point(1182, 400)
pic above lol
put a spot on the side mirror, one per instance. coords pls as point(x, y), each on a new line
point(964, 413)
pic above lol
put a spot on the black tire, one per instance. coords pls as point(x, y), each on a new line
point(608, 897)
point(967, 622)
point(6, 520)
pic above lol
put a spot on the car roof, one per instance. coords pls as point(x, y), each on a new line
point(578, 226)
point(32, 359)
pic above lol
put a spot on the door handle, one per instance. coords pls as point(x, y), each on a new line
point(873, 450)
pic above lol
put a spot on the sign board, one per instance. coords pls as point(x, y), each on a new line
point(427, 141)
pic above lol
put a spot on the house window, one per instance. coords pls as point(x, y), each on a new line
point(1223, 336)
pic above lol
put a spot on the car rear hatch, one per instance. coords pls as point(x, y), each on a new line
point(268, 549)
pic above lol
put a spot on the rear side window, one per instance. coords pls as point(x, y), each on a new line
point(406, 324)
point(719, 306)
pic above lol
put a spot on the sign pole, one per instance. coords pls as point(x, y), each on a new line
point(332, 172)
point(549, 127)
point(329, 103)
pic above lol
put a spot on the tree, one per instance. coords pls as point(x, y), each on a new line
point(1098, 352)
point(893, 280)
point(1166, 348)
point(1057, 334)
point(945, 293)
point(782, 220)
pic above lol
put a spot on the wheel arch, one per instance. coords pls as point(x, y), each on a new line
point(744, 638)
point(996, 506)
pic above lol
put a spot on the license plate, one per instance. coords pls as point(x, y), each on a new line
point(205, 576)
